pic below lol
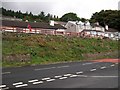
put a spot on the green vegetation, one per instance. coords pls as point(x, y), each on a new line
point(109, 17)
point(25, 49)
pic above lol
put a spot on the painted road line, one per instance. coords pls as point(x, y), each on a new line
point(39, 82)
point(86, 63)
point(104, 76)
point(63, 78)
point(50, 80)
point(103, 67)
point(82, 76)
point(23, 85)
point(74, 76)
point(2, 86)
point(112, 65)
point(79, 72)
point(93, 70)
point(67, 75)
point(58, 76)
point(6, 72)
point(18, 83)
point(62, 66)
point(5, 88)
point(45, 78)
point(44, 68)
point(90, 63)
point(35, 80)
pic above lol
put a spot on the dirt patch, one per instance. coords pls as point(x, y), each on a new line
point(17, 57)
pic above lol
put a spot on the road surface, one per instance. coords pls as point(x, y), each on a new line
point(85, 74)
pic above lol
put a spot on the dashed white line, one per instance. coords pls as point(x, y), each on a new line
point(112, 65)
point(50, 80)
point(17, 83)
point(23, 85)
point(1, 86)
point(6, 72)
point(93, 70)
point(4, 88)
point(86, 63)
point(67, 75)
point(63, 78)
point(38, 82)
point(35, 80)
point(58, 76)
point(44, 68)
point(45, 78)
point(90, 63)
point(74, 76)
point(79, 72)
point(62, 66)
point(103, 67)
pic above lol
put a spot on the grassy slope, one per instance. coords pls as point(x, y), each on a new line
point(47, 48)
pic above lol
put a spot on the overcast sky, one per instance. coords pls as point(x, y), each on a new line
point(83, 8)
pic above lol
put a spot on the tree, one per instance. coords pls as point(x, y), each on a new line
point(69, 17)
point(109, 17)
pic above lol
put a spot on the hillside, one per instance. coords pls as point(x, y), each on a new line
point(25, 49)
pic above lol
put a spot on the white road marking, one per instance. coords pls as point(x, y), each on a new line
point(5, 88)
point(63, 78)
point(6, 72)
point(86, 63)
point(93, 70)
point(44, 68)
point(103, 67)
point(67, 75)
point(1, 86)
point(104, 76)
point(38, 82)
point(82, 76)
point(50, 80)
point(62, 66)
point(35, 80)
point(116, 63)
point(74, 76)
point(79, 72)
point(45, 78)
point(90, 63)
point(17, 83)
point(21, 85)
point(58, 76)
point(112, 65)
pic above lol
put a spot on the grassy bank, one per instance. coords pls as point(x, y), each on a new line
point(26, 49)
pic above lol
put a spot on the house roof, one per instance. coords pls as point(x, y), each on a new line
point(22, 24)
point(61, 23)
point(112, 30)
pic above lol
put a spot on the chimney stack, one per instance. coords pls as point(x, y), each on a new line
point(51, 23)
point(106, 27)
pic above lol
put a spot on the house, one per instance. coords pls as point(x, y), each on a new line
point(74, 27)
point(91, 34)
point(33, 27)
point(113, 34)
point(96, 26)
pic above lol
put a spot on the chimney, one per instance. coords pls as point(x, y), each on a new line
point(51, 23)
point(106, 27)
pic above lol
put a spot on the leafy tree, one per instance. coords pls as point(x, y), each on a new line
point(69, 17)
point(109, 17)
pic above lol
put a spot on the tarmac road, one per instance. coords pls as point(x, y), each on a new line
point(85, 74)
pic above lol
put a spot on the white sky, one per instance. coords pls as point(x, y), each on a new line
point(83, 8)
